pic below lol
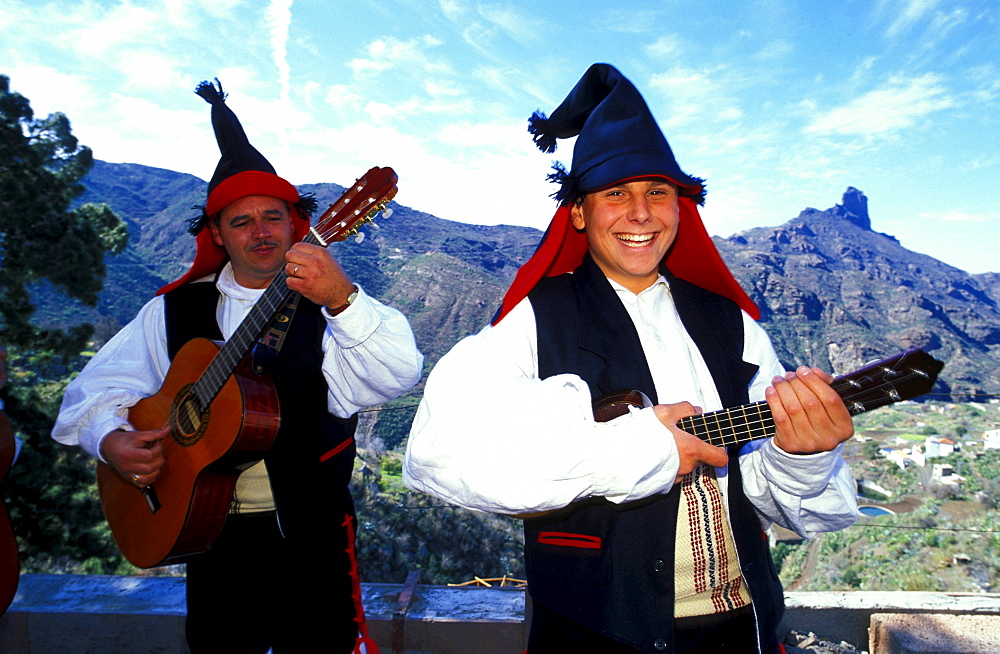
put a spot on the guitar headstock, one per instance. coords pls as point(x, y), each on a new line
point(357, 206)
point(902, 377)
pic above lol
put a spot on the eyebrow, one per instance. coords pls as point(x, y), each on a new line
point(266, 212)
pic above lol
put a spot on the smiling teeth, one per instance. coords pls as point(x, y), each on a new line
point(634, 239)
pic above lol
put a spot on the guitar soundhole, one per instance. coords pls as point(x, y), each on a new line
point(189, 422)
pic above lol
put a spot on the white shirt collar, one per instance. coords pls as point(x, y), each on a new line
point(227, 285)
point(624, 291)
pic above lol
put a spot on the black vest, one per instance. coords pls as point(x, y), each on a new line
point(625, 587)
point(311, 461)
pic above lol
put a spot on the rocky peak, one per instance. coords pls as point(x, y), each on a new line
point(832, 290)
point(854, 208)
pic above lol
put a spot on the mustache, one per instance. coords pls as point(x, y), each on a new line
point(263, 244)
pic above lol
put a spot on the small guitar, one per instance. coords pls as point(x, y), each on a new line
point(907, 375)
point(223, 417)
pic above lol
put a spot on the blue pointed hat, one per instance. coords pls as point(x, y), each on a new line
point(618, 140)
point(617, 137)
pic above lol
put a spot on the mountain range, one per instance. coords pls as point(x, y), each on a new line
point(832, 291)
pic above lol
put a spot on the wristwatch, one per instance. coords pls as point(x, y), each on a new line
point(350, 300)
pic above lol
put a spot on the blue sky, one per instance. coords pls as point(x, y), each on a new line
point(780, 105)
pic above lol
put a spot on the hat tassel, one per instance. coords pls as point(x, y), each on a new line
point(210, 93)
point(538, 125)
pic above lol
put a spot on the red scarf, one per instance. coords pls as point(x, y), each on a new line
point(693, 258)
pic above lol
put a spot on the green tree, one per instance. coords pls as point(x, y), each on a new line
point(52, 499)
point(41, 237)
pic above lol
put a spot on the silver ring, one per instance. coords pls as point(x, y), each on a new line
point(295, 270)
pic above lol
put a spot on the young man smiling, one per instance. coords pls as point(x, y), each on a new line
point(629, 226)
point(639, 537)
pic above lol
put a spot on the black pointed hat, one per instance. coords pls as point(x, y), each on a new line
point(242, 171)
point(618, 138)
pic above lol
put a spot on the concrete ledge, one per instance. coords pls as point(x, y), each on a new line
point(54, 613)
point(111, 615)
point(847, 615)
point(902, 633)
point(448, 619)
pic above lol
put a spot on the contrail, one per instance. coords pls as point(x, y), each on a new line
point(279, 20)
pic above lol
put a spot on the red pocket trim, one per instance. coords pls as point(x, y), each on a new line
point(337, 450)
point(564, 539)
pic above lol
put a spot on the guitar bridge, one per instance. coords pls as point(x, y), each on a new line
point(151, 498)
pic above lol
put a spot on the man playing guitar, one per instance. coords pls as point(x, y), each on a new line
point(278, 576)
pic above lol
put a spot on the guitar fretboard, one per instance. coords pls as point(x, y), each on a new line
point(863, 390)
point(731, 426)
point(243, 339)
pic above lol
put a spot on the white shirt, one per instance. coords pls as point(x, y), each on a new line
point(370, 357)
point(490, 435)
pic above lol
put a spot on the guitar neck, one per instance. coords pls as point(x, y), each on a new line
point(907, 375)
point(246, 335)
point(733, 426)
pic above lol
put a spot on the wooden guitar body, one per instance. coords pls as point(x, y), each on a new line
point(183, 512)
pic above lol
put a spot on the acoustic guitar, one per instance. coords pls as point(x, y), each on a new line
point(905, 376)
point(222, 416)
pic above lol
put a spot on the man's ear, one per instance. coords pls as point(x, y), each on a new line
point(576, 215)
point(214, 226)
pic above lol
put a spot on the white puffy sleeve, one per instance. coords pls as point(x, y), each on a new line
point(490, 435)
point(807, 494)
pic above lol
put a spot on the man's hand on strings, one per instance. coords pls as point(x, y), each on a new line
point(135, 455)
point(809, 415)
point(313, 272)
point(691, 449)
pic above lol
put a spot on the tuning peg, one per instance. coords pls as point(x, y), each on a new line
point(360, 237)
point(386, 212)
point(374, 224)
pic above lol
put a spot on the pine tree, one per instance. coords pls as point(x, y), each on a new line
point(50, 491)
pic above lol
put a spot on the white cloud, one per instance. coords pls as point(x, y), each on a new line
point(984, 161)
point(278, 18)
point(899, 104)
point(146, 69)
point(668, 45)
point(686, 97)
point(452, 9)
point(910, 12)
point(441, 88)
point(513, 23)
point(775, 50)
point(633, 21)
point(961, 217)
point(388, 53)
point(341, 96)
point(51, 90)
point(96, 32)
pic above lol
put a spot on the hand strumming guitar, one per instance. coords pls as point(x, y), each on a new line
point(135, 455)
point(691, 450)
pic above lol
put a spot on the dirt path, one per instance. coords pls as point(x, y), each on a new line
point(808, 566)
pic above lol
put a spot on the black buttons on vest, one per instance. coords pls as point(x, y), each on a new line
point(659, 565)
point(660, 645)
